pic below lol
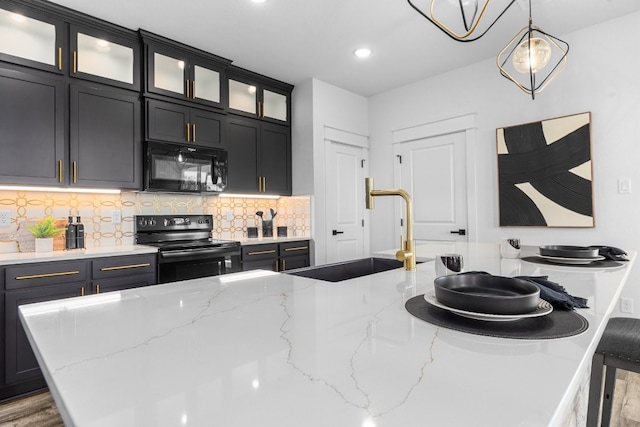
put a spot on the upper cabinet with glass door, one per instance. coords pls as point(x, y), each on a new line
point(182, 72)
point(255, 95)
point(106, 57)
point(31, 39)
point(96, 51)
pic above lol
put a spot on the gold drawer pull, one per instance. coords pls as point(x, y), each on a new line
point(273, 251)
point(40, 276)
point(60, 58)
point(297, 248)
point(124, 267)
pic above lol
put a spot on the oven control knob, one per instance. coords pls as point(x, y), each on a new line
point(142, 222)
point(200, 221)
point(152, 222)
point(167, 222)
point(187, 221)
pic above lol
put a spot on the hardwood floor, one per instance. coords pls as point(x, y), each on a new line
point(39, 410)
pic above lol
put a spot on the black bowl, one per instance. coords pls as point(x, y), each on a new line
point(484, 293)
point(569, 251)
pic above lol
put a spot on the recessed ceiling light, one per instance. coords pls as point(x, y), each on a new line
point(362, 52)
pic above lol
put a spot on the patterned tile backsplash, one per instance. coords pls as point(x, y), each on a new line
point(96, 210)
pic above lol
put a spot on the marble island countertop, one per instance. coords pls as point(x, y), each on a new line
point(270, 349)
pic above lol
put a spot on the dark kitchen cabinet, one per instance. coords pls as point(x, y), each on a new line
point(257, 96)
point(293, 255)
point(41, 35)
point(168, 122)
point(105, 56)
point(62, 41)
point(182, 72)
point(276, 256)
point(259, 157)
point(40, 282)
point(60, 127)
point(30, 283)
point(123, 272)
point(263, 256)
point(32, 123)
point(105, 137)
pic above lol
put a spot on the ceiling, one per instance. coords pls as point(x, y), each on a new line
point(294, 40)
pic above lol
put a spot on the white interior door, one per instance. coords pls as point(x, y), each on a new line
point(433, 171)
point(345, 173)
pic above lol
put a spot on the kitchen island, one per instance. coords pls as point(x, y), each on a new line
point(270, 349)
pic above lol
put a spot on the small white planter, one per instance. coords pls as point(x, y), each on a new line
point(44, 244)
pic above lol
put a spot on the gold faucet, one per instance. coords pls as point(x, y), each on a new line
point(407, 252)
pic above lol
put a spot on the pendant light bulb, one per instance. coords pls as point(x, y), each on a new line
point(531, 55)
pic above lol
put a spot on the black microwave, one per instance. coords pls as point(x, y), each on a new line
point(184, 169)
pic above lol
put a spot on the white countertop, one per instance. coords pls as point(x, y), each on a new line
point(28, 257)
point(270, 349)
point(264, 240)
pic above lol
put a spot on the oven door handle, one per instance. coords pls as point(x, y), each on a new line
point(221, 252)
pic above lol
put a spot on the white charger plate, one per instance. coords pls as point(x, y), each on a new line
point(576, 261)
point(543, 309)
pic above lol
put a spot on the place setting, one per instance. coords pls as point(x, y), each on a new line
point(476, 302)
point(579, 256)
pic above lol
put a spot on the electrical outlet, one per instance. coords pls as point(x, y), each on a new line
point(5, 218)
point(229, 216)
point(626, 305)
point(116, 216)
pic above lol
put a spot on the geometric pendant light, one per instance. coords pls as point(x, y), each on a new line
point(528, 59)
point(463, 17)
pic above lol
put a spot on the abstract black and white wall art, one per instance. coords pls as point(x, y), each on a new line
point(545, 173)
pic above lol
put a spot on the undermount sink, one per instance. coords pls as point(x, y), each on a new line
point(348, 269)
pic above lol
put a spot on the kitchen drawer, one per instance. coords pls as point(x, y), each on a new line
point(119, 266)
point(259, 252)
point(44, 274)
point(294, 248)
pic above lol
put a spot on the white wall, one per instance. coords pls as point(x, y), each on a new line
point(601, 77)
point(319, 105)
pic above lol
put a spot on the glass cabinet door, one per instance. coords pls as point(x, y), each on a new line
point(274, 105)
point(168, 73)
point(242, 96)
point(30, 39)
point(103, 58)
point(206, 84)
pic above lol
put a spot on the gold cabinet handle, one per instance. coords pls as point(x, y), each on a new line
point(194, 132)
point(41, 276)
point(60, 58)
point(82, 291)
point(187, 87)
point(272, 251)
point(97, 289)
point(259, 184)
point(124, 267)
point(75, 171)
point(188, 132)
point(297, 248)
point(193, 89)
point(284, 264)
point(277, 266)
point(264, 184)
point(59, 170)
point(75, 62)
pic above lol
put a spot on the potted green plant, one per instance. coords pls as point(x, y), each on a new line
point(44, 231)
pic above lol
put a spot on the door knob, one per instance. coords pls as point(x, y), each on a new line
point(461, 232)
point(336, 232)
